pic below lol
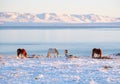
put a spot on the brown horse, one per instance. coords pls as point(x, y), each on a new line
point(21, 52)
point(98, 52)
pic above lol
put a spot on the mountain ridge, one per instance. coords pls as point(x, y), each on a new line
point(51, 18)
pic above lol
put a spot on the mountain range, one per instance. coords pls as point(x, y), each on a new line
point(13, 17)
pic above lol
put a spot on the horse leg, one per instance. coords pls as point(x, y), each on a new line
point(57, 54)
point(18, 55)
point(93, 54)
point(54, 54)
point(49, 55)
point(100, 54)
point(25, 55)
point(21, 55)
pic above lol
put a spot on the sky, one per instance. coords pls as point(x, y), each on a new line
point(100, 7)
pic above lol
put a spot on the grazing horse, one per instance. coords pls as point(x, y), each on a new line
point(52, 52)
point(21, 52)
point(69, 56)
point(66, 54)
point(98, 52)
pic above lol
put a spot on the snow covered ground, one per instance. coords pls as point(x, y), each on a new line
point(83, 70)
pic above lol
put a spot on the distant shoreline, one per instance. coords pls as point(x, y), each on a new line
point(55, 27)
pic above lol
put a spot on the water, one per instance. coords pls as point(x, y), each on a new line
point(79, 49)
point(79, 41)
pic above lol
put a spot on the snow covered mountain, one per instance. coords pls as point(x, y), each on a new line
point(13, 17)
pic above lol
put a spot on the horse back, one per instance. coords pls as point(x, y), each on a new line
point(24, 52)
point(97, 51)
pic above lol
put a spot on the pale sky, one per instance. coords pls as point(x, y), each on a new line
point(100, 7)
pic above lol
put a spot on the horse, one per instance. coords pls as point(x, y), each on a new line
point(21, 52)
point(66, 53)
point(52, 52)
point(69, 56)
point(98, 52)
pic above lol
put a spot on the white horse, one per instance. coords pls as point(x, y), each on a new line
point(52, 52)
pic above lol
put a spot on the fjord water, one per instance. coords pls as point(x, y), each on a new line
point(79, 41)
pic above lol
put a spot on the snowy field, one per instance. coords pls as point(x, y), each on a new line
point(83, 70)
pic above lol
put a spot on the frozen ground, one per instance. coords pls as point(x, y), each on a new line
point(83, 70)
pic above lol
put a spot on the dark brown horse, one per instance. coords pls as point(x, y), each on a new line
point(21, 52)
point(97, 51)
